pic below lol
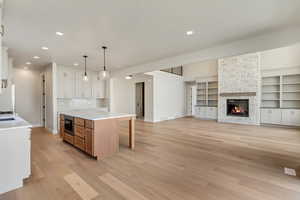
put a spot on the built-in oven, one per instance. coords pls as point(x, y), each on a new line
point(69, 124)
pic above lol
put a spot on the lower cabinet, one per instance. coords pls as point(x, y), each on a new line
point(289, 117)
point(206, 112)
point(270, 116)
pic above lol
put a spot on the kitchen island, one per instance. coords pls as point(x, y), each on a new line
point(15, 145)
point(95, 132)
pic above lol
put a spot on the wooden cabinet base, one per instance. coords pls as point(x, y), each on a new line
point(68, 138)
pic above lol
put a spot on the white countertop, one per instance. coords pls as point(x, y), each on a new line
point(14, 124)
point(94, 114)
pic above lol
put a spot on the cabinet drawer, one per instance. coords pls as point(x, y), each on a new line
point(79, 121)
point(68, 138)
point(89, 146)
point(79, 143)
point(89, 124)
point(79, 131)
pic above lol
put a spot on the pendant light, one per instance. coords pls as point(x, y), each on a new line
point(104, 74)
point(85, 77)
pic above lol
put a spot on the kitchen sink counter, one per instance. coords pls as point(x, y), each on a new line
point(18, 122)
point(95, 114)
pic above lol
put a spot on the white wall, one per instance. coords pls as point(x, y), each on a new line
point(284, 57)
point(28, 91)
point(200, 69)
point(122, 95)
point(51, 103)
point(168, 96)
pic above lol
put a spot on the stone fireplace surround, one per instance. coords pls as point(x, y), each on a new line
point(239, 78)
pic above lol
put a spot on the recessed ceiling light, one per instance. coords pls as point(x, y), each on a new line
point(128, 77)
point(45, 48)
point(59, 33)
point(28, 63)
point(36, 57)
point(26, 68)
point(190, 32)
point(75, 64)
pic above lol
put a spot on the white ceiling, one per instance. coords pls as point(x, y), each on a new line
point(135, 31)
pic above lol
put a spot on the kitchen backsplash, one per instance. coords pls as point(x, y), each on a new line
point(68, 104)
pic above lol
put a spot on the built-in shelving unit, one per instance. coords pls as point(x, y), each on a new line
point(207, 93)
point(271, 92)
point(291, 91)
point(281, 91)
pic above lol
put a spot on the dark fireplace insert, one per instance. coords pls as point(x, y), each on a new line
point(238, 107)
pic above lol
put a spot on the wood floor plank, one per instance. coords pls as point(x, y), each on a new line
point(84, 190)
point(125, 190)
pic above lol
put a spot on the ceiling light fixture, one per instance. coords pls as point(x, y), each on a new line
point(85, 77)
point(128, 77)
point(44, 48)
point(36, 57)
point(190, 32)
point(28, 63)
point(104, 74)
point(76, 64)
point(59, 33)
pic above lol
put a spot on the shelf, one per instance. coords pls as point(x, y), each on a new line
point(296, 83)
point(210, 88)
point(212, 99)
point(269, 107)
point(270, 99)
point(291, 91)
point(270, 92)
point(290, 99)
point(271, 84)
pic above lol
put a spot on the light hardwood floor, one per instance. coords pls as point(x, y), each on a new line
point(180, 159)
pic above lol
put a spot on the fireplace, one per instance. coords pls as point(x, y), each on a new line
point(238, 107)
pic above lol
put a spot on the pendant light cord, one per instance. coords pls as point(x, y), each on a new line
point(85, 65)
point(104, 60)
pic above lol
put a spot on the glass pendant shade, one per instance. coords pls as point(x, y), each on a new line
point(85, 77)
point(104, 75)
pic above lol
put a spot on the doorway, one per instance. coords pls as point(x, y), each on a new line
point(140, 100)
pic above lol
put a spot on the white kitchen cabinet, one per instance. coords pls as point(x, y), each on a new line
point(5, 66)
point(83, 88)
point(15, 145)
point(1, 66)
point(66, 83)
point(99, 87)
point(291, 117)
point(270, 116)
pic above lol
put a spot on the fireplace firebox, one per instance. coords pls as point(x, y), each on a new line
point(238, 107)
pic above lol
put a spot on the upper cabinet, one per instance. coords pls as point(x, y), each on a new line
point(98, 87)
point(70, 84)
point(83, 88)
point(66, 83)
